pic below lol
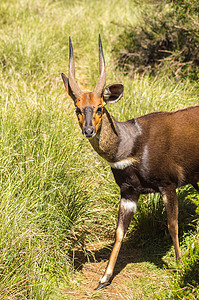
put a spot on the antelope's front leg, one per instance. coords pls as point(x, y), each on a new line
point(127, 209)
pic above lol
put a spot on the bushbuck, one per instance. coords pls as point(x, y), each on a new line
point(157, 152)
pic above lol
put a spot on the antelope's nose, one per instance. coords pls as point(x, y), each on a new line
point(88, 132)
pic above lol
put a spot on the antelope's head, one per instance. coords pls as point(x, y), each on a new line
point(90, 105)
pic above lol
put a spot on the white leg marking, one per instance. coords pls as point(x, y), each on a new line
point(129, 205)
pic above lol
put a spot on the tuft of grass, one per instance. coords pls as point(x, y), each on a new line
point(186, 282)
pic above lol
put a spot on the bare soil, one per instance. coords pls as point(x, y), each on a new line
point(138, 275)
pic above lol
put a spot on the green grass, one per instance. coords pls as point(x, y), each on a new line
point(56, 194)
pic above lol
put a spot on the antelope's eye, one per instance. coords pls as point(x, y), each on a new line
point(99, 110)
point(78, 111)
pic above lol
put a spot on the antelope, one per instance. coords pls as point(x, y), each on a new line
point(154, 153)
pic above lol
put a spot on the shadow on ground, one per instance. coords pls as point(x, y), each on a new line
point(130, 252)
point(140, 247)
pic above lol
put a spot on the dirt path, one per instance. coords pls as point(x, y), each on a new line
point(138, 275)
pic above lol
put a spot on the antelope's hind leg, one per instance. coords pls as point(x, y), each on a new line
point(128, 205)
point(170, 199)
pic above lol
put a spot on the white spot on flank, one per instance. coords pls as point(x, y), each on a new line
point(139, 128)
point(122, 164)
point(145, 160)
point(145, 154)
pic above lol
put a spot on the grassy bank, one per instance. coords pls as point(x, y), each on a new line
point(56, 194)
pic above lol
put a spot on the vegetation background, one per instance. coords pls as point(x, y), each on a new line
point(57, 197)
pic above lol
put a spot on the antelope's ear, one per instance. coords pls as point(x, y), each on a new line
point(67, 86)
point(113, 92)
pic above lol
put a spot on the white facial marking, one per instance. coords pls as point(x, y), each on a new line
point(122, 164)
point(129, 205)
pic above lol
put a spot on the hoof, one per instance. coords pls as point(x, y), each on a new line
point(101, 285)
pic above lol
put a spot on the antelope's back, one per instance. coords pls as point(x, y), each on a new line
point(171, 144)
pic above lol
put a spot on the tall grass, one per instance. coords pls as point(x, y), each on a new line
point(56, 194)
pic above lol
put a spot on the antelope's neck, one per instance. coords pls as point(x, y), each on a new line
point(115, 141)
point(106, 141)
